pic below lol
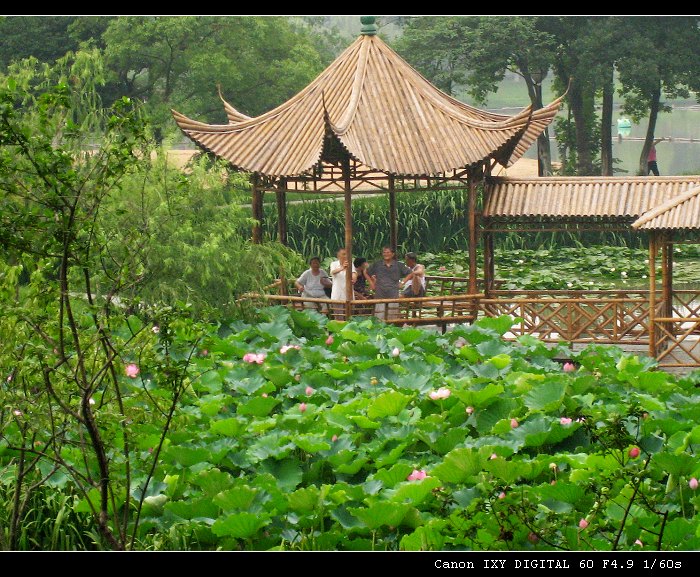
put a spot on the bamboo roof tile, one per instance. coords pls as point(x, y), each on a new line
point(385, 114)
point(619, 198)
point(680, 212)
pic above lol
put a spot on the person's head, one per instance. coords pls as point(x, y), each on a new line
point(411, 259)
point(315, 263)
point(388, 253)
point(360, 263)
point(342, 254)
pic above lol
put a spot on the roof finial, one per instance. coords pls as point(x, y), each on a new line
point(369, 25)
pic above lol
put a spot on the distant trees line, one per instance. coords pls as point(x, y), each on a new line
point(259, 62)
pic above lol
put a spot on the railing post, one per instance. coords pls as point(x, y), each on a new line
point(652, 294)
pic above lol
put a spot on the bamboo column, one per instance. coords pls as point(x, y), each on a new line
point(652, 293)
point(348, 238)
point(473, 237)
point(489, 268)
point(393, 234)
point(667, 278)
point(257, 202)
point(473, 241)
point(281, 194)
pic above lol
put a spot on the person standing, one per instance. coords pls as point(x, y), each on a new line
point(361, 287)
point(651, 158)
point(313, 282)
point(385, 278)
point(339, 271)
point(414, 287)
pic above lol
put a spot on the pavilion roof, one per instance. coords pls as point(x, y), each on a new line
point(680, 212)
point(614, 198)
point(383, 112)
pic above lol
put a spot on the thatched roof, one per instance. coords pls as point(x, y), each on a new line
point(611, 198)
point(382, 111)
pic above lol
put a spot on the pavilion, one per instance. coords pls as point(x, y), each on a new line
point(371, 123)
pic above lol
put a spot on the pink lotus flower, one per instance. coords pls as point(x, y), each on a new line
point(469, 410)
point(334, 438)
point(565, 421)
point(634, 452)
point(693, 484)
point(493, 456)
point(286, 348)
point(442, 268)
point(91, 401)
point(396, 352)
point(251, 358)
point(514, 424)
point(502, 495)
point(131, 370)
point(204, 352)
point(9, 378)
point(532, 537)
point(569, 367)
point(582, 524)
point(417, 475)
point(155, 329)
point(441, 393)
point(460, 342)
point(302, 407)
point(639, 543)
point(309, 391)
point(17, 413)
point(329, 340)
point(264, 395)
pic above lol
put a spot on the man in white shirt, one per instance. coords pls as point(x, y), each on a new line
point(415, 286)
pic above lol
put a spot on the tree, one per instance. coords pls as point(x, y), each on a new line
point(660, 57)
point(86, 238)
point(177, 62)
point(477, 52)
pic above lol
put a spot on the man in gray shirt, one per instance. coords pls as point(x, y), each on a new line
point(385, 278)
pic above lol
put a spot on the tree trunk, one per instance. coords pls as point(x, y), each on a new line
point(584, 158)
point(544, 153)
point(651, 129)
point(606, 153)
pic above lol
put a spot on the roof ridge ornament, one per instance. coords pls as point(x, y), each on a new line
point(369, 25)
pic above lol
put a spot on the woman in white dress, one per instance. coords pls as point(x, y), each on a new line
point(339, 269)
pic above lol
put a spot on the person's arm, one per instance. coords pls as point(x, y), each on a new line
point(339, 268)
point(300, 282)
point(371, 275)
point(325, 281)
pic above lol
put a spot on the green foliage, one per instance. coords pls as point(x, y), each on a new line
point(430, 221)
point(331, 467)
point(177, 62)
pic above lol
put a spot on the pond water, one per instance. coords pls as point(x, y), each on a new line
point(679, 156)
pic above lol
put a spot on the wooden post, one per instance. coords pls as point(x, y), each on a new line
point(652, 294)
point(489, 266)
point(667, 278)
point(393, 234)
point(473, 236)
point(257, 202)
point(281, 194)
point(348, 238)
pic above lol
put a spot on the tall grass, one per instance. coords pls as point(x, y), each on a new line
point(427, 222)
point(48, 522)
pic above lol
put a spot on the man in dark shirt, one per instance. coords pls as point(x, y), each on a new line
point(386, 278)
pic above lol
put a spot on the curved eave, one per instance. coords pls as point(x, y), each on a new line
point(682, 212)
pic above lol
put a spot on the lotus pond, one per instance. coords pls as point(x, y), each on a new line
point(359, 436)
